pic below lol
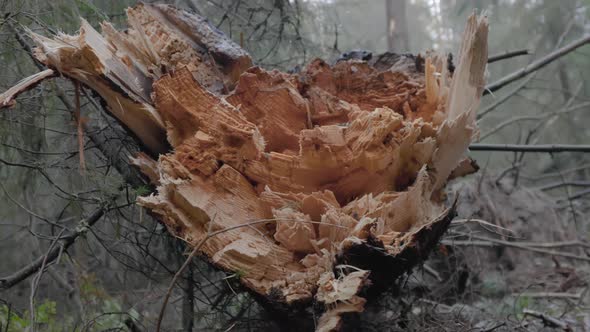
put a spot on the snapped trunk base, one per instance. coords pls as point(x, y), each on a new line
point(317, 188)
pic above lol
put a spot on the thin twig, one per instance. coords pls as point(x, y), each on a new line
point(544, 176)
point(481, 222)
point(430, 270)
point(200, 244)
point(495, 327)
point(504, 98)
point(66, 241)
point(513, 120)
point(548, 320)
point(546, 148)
point(30, 212)
point(507, 55)
point(552, 117)
point(176, 276)
point(489, 242)
point(500, 101)
point(566, 183)
point(484, 243)
point(577, 194)
point(554, 295)
point(37, 279)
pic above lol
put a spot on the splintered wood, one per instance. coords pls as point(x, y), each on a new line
point(344, 164)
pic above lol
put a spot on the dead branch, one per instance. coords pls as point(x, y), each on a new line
point(487, 243)
point(507, 55)
point(548, 320)
point(37, 279)
point(536, 65)
point(539, 117)
point(557, 174)
point(554, 295)
point(490, 242)
point(64, 242)
point(504, 98)
point(566, 183)
point(576, 195)
point(481, 114)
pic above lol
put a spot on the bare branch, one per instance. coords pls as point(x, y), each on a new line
point(536, 65)
point(577, 195)
point(533, 118)
point(548, 148)
point(567, 183)
point(481, 241)
point(507, 55)
point(503, 99)
point(554, 295)
point(548, 320)
point(64, 243)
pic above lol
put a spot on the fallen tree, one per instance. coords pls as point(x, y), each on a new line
point(316, 186)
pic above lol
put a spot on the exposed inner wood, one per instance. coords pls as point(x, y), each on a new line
point(122, 66)
point(335, 158)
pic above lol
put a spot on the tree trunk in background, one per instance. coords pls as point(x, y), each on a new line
point(554, 15)
point(188, 300)
point(397, 26)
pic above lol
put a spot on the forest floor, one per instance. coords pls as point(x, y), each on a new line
point(512, 260)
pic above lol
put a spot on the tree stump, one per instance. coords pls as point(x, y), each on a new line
point(310, 187)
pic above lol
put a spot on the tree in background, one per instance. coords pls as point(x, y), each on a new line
point(397, 26)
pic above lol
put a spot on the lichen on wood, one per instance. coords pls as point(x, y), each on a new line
point(344, 164)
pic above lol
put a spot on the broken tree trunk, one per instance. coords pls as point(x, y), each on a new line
point(329, 181)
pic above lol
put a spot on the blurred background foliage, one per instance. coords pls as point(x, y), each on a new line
point(114, 277)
